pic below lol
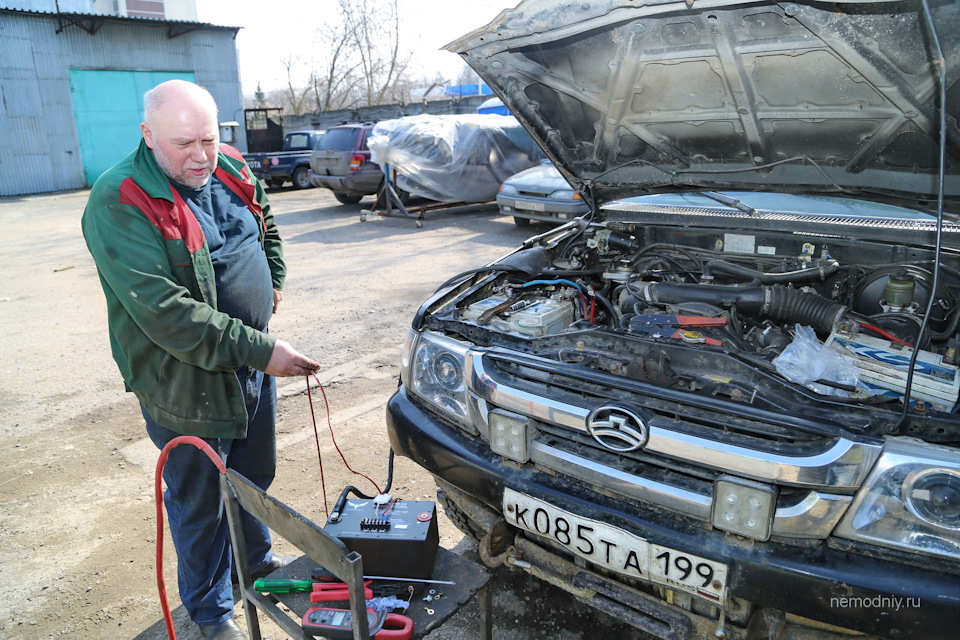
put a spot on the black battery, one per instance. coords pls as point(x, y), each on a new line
point(399, 540)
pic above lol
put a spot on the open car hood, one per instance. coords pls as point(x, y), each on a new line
point(634, 97)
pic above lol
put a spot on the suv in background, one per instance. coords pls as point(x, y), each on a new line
point(341, 162)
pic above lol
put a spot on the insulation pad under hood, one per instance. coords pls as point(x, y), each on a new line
point(633, 98)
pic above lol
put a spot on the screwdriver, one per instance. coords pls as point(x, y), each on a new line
point(282, 586)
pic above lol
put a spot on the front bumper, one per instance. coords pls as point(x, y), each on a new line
point(544, 209)
point(869, 591)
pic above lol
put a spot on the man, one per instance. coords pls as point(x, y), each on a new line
point(192, 267)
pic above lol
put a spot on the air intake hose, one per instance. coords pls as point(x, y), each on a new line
point(777, 303)
point(818, 270)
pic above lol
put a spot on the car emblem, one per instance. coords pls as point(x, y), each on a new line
point(617, 429)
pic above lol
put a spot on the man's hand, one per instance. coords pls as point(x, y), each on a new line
point(286, 362)
point(277, 297)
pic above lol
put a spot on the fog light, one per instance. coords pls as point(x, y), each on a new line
point(510, 435)
point(743, 507)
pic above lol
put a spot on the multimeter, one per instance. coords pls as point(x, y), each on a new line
point(337, 624)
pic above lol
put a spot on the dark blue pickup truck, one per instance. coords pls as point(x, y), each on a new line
point(290, 164)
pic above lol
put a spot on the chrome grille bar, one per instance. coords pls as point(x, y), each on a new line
point(842, 465)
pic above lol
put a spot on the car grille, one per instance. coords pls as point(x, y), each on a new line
point(689, 446)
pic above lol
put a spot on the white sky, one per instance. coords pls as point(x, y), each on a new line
point(272, 31)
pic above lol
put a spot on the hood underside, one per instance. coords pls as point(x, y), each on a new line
point(639, 97)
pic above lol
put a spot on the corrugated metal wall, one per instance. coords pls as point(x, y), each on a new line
point(39, 150)
point(326, 119)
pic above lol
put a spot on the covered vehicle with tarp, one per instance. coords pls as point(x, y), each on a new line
point(453, 158)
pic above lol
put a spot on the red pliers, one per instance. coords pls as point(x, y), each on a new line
point(336, 591)
point(679, 327)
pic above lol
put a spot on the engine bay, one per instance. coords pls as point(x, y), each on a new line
point(677, 306)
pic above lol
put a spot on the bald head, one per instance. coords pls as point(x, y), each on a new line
point(174, 94)
point(180, 127)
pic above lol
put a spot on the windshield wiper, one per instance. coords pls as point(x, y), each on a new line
point(730, 202)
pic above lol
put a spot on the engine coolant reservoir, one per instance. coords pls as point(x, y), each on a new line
point(541, 316)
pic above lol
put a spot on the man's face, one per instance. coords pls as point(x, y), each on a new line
point(185, 140)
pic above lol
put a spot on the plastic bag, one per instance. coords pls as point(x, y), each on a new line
point(805, 360)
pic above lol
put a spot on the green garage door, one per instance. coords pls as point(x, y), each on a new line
point(108, 109)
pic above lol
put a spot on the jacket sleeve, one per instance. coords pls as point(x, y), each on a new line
point(271, 239)
point(149, 280)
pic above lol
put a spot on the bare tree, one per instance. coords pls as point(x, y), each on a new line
point(468, 75)
point(333, 84)
point(295, 96)
point(374, 28)
point(357, 61)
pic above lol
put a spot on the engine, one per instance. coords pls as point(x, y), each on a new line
point(674, 297)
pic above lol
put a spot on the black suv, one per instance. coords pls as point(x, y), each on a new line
point(723, 403)
point(341, 162)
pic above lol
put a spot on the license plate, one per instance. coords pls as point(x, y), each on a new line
point(618, 550)
point(529, 206)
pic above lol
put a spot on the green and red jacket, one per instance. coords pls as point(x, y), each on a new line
point(176, 352)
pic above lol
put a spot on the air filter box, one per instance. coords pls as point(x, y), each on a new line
point(401, 544)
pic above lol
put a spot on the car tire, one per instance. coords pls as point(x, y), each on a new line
point(521, 222)
point(275, 183)
point(300, 178)
point(347, 198)
point(404, 196)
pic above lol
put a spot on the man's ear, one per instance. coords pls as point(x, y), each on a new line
point(147, 134)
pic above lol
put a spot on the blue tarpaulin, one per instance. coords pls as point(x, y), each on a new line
point(461, 90)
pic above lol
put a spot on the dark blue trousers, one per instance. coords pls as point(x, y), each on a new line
point(197, 519)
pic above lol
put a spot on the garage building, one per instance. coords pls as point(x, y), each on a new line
point(72, 77)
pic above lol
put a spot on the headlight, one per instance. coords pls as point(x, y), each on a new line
point(437, 374)
point(565, 194)
point(508, 189)
point(408, 345)
point(910, 501)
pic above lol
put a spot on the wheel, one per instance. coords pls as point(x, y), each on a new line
point(347, 198)
point(300, 178)
point(276, 183)
point(521, 222)
point(404, 196)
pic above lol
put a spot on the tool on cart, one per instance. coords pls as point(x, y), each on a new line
point(336, 592)
point(338, 623)
point(679, 327)
point(281, 586)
